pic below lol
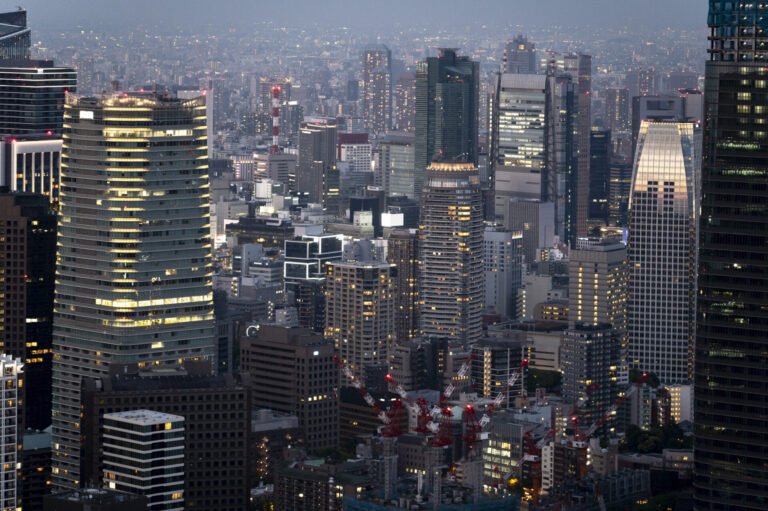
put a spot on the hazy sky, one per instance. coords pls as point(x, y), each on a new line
point(369, 14)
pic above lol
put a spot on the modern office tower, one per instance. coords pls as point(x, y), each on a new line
point(519, 139)
point(94, 499)
point(394, 165)
point(451, 246)
point(291, 117)
point(620, 178)
point(404, 115)
point(536, 220)
point(27, 272)
point(599, 178)
point(683, 105)
point(279, 167)
point(355, 149)
point(217, 469)
point(32, 164)
point(11, 375)
point(662, 251)
point(134, 255)
point(15, 39)
point(317, 174)
point(403, 252)
point(144, 454)
point(32, 94)
point(731, 343)
point(617, 103)
point(503, 264)
point(293, 371)
point(590, 358)
point(360, 312)
point(598, 287)
point(520, 57)
point(642, 82)
point(578, 183)
point(493, 362)
point(446, 111)
point(377, 89)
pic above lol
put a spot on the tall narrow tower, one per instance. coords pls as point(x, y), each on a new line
point(377, 89)
point(731, 394)
point(451, 245)
point(134, 257)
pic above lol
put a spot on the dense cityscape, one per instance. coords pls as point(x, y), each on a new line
point(270, 266)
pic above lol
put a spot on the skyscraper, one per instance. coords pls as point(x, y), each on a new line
point(134, 256)
point(617, 103)
point(451, 246)
point(446, 111)
point(360, 312)
point(503, 265)
point(520, 56)
point(377, 88)
point(317, 173)
point(403, 252)
point(599, 178)
point(662, 251)
point(15, 37)
point(405, 102)
point(731, 343)
point(11, 370)
point(27, 264)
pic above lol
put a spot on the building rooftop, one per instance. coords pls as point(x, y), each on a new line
point(144, 417)
point(98, 496)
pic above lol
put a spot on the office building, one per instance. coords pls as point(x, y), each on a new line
point(403, 253)
point(731, 344)
point(95, 499)
point(292, 370)
point(279, 167)
point(536, 221)
point(661, 250)
point(32, 95)
point(27, 272)
point(144, 454)
point(599, 179)
point(617, 104)
point(11, 378)
point(217, 421)
point(127, 261)
point(590, 361)
point(317, 174)
point(493, 362)
point(360, 312)
point(32, 164)
point(446, 111)
point(377, 89)
point(15, 37)
point(503, 266)
point(394, 165)
point(520, 56)
point(451, 246)
point(404, 115)
point(35, 468)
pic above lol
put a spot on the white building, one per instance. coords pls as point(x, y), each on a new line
point(503, 260)
point(144, 454)
point(11, 370)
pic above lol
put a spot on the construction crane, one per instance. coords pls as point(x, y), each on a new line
point(615, 406)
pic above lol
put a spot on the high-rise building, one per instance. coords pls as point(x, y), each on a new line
point(32, 164)
point(11, 375)
point(404, 116)
point(95, 499)
point(360, 312)
point(520, 56)
point(578, 181)
point(377, 89)
point(27, 272)
point(293, 371)
point(493, 362)
point(15, 39)
point(662, 251)
point(32, 94)
point(446, 111)
point(503, 264)
point(451, 245)
point(317, 173)
point(279, 167)
point(134, 255)
point(144, 454)
point(730, 406)
point(590, 358)
point(599, 178)
point(394, 165)
point(403, 252)
point(617, 105)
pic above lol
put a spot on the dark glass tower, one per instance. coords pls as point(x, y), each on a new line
point(446, 111)
point(15, 36)
point(731, 371)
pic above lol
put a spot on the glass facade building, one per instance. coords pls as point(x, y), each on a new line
point(731, 373)
point(15, 36)
point(661, 250)
point(134, 270)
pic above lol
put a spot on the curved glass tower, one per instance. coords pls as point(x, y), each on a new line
point(731, 373)
point(133, 276)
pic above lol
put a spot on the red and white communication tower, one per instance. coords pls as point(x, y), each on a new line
point(276, 93)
